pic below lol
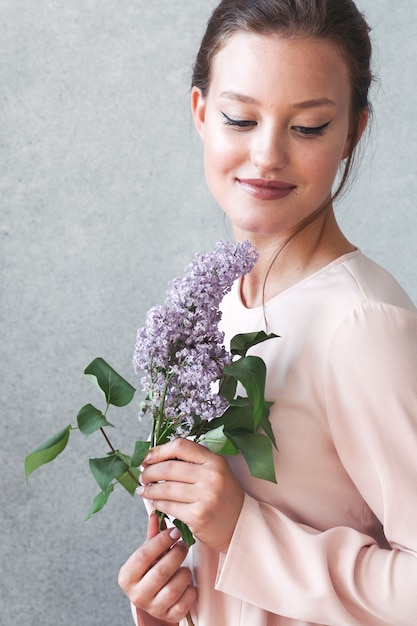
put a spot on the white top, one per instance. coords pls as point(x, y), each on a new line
point(335, 541)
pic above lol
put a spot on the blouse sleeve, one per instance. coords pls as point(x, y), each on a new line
point(342, 576)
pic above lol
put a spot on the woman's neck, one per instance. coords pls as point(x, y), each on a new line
point(287, 259)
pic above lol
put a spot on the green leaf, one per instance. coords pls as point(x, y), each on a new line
point(141, 450)
point(129, 480)
point(265, 424)
point(240, 344)
point(106, 469)
point(125, 457)
point(99, 501)
point(251, 372)
point(257, 451)
point(238, 416)
point(115, 388)
point(90, 419)
point(186, 533)
point(47, 451)
point(217, 442)
point(227, 387)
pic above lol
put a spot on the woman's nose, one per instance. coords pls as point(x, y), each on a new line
point(269, 150)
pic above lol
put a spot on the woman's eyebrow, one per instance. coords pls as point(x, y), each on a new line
point(233, 95)
point(309, 104)
point(306, 104)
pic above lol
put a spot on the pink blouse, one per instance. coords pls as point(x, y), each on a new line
point(335, 541)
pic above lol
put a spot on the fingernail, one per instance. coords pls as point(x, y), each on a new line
point(147, 458)
point(175, 533)
point(140, 490)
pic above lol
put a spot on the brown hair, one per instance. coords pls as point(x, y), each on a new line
point(336, 20)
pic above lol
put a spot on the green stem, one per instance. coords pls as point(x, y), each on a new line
point(156, 431)
point(115, 452)
point(161, 520)
point(107, 439)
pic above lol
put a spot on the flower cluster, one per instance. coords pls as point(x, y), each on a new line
point(180, 348)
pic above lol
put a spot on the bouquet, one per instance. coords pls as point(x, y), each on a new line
point(189, 379)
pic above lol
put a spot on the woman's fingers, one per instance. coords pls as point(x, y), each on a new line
point(181, 461)
point(188, 482)
point(147, 555)
point(175, 596)
point(153, 577)
point(180, 449)
point(175, 472)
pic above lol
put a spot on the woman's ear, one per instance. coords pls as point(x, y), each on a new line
point(198, 109)
point(352, 141)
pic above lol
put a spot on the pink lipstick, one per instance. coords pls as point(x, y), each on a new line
point(265, 189)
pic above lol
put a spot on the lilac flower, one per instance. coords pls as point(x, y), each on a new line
point(180, 349)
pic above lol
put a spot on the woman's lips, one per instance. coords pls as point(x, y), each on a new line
point(265, 189)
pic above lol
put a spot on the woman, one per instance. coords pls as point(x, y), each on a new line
point(280, 100)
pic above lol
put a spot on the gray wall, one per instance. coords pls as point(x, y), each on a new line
point(103, 201)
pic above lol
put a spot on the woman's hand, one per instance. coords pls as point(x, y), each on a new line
point(153, 578)
point(185, 480)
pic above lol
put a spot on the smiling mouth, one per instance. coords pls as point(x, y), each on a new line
point(265, 189)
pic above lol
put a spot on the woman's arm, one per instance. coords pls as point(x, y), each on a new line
point(342, 576)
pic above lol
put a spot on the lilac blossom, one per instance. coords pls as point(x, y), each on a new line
point(180, 349)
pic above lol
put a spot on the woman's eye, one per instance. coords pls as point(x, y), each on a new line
point(311, 130)
point(237, 123)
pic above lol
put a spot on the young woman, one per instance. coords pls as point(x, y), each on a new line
point(280, 100)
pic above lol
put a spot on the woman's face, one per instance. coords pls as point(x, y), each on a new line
point(275, 125)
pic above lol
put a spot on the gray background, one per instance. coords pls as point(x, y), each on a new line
point(103, 201)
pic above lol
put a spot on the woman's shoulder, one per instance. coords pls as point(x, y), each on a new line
point(348, 283)
point(352, 284)
point(373, 307)
point(373, 282)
